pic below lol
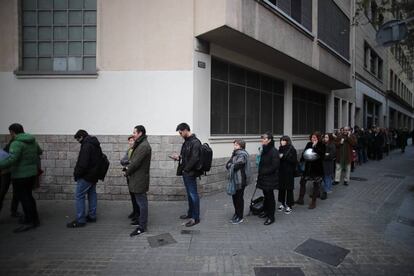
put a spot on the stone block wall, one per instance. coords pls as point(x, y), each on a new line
point(60, 153)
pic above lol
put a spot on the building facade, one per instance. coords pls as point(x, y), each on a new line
point(229, 68)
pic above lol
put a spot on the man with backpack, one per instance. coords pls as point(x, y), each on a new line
point(190, 167)
point(86, 174)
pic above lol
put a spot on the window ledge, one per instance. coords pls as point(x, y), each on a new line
point(334, 52)
point(373, 75)
point(286, 17)
point(56, 75)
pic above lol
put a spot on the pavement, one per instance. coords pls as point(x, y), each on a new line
point(371, 221)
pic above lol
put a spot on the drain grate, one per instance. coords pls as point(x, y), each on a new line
point(405, 221)
point(358, 178)
point(190, 232)
point(322, 251)
point(395, 176)
point(161, 240)
point(278, 271)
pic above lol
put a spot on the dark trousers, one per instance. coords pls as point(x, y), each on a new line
point(142, 202)
point(5, 181)
point(286, 197)
point(316, 188)
point(135, 206)
point(238, 202)
point(23, 189)
point(269, 203)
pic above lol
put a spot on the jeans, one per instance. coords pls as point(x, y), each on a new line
point(135, 206)
point(190, 183)
point(84, 187)
point(238, 202)
point(327, 183)
point(142, 202)
point(23, 189)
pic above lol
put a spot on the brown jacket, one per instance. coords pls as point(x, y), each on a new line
point(349, 142)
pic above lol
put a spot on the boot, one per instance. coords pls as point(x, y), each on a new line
point(312, 205)
point(302, 192)
point(324, 196)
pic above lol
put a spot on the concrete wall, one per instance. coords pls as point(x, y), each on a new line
point(60, 154)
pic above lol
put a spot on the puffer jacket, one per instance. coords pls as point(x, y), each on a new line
point(24, 159)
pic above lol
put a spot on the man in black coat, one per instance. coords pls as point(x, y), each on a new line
point(86, 177)
point(189, 169)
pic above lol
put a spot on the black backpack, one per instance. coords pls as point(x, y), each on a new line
point(206, 158)
point(102, 167)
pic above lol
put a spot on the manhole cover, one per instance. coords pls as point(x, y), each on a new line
point(278, 271)
point(358, 178)
point(405, 221)
point(322, 251)
point(395, 176)
point(190, 232)
point(161, 240)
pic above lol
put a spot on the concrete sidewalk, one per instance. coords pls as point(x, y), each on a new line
point(371, 218)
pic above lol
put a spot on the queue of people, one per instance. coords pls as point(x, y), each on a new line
point(326, 160)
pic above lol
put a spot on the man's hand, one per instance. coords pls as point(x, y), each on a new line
point(175, 156)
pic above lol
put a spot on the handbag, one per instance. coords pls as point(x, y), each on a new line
point(257, 204)
point(300, 169)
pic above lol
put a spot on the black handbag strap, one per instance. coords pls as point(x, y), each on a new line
point(254, 193)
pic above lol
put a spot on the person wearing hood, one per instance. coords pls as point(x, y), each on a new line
point(268, 176)
point(239, 176)
point(86, 177)
point(288, 163)
point(138, 173)
point(23, 161)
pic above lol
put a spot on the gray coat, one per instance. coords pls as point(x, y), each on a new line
point(139, 166)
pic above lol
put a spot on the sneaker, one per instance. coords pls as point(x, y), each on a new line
point(137, 232)
point(281, 208)
point(135, 223)
point(335, 183)
point(75, 224)
point(288, 210)
point(233, 218)
point(345, 183)
point(192, 222)
point(185, 217)
point(237, 220)
point(90, 219)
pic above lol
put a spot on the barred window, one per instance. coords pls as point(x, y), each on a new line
point(333, 27)
point(58, 36)
point(244, 102)
point(309, 109)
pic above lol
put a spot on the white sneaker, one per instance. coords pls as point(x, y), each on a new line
point(281, 208)
point(288, 210)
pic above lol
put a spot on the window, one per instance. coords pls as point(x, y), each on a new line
point(244, 102)
point(336, 113)
point(309, 110)
point(366, 54)
point(372, 60)
point(58, 36)
point(333, 27)
point(299, 10)
point(391, 80)
point(380, 67)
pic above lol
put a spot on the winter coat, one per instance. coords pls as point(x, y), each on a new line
point(89, 156)
point(314, 168)
point(349, 142)
point(239, 168)
point(138, 170)
point(268, 176)
point(379, 140)
point(287, 167)
point(24, 160)
point(328, 161)
point(190, 156)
